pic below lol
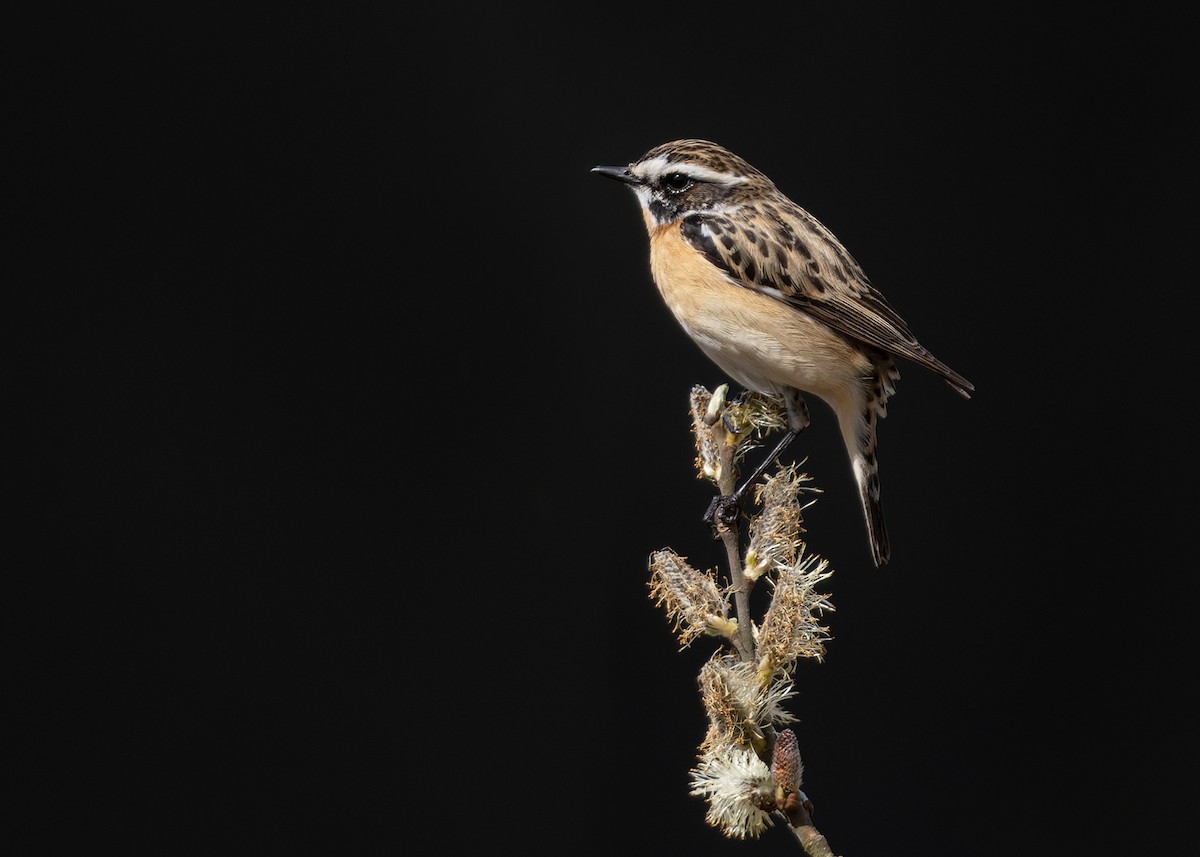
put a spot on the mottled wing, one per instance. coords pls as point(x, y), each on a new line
point(785, 252)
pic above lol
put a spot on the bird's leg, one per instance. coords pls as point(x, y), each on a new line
point(724, 508)
point(766, 462)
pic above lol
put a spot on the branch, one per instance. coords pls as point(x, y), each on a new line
point(749, 768)
point(812, 841)
point(727, 484)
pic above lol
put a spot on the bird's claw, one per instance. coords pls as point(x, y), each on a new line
point(723, 511)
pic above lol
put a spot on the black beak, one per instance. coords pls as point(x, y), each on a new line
point(621, 174)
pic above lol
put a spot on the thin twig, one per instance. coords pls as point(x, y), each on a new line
point(812, 841)
point(727, 484)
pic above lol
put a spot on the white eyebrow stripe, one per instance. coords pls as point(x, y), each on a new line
point(655, 168)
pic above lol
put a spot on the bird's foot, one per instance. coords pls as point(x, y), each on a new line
point(723, 511)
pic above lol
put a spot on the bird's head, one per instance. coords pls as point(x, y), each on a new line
point(687, 176)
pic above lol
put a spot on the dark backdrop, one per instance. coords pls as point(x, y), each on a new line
point(357, 417)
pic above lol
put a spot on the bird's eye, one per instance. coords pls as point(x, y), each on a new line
point(677, 182)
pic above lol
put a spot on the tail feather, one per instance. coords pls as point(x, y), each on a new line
point(866, 474)
point(881, 548)
point(859, 435)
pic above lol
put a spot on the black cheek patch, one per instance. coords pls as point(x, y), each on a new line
point(660, 211)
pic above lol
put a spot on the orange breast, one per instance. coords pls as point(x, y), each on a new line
point(758, 340)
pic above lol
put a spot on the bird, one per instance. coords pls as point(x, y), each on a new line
point(775, 300)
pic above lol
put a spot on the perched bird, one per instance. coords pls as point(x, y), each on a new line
point(774, 299)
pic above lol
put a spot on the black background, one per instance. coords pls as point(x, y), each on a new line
point(353, 417)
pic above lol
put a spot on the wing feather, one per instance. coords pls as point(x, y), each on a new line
point(785, 252)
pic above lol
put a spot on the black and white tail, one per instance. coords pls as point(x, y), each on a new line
point(859, 435)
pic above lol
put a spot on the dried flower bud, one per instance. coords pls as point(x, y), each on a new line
point(734, 781)
point(791, 629)
point(738, 706)
point(786, 765)
point(692, 599)
point(708, 445)
point(775, 530)
point(715, 405)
